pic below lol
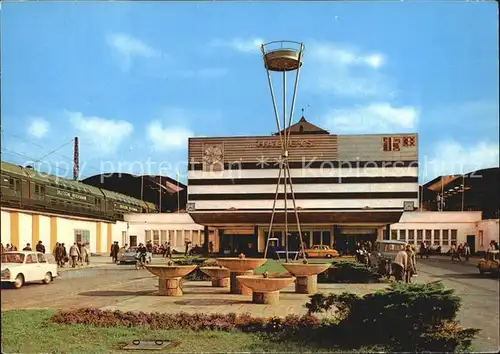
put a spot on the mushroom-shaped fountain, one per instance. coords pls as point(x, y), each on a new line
point(306, 274)
point(240, 266)
point(265, 288)
point(170, 276)
point(219, 276)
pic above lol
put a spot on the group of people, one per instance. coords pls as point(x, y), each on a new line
point(78, 254)
point(457, 251)
point(10, 248)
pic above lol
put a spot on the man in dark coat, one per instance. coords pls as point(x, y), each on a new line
point(40, 247)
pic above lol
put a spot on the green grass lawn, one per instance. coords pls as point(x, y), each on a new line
point(274, 266)
point(28, 331)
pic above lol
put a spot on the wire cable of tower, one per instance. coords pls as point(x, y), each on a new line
point(54, 151)
point(67, 158)
point(65, 170)
point(33, 143)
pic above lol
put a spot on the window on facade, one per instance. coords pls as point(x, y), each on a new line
point(156, 237)
point(428, 235)
point(420, 236)
point(316, 237)
point(411, 236)
point(148, 235)
point(454, 236)
point(437, 237)
point(394, 234)
point(133, 240)
point(37, 189)
point(82, 236)
point(446, 238)
point(326, 238)
point(402, 235)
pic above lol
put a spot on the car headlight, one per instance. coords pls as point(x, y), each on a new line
point(6, 274)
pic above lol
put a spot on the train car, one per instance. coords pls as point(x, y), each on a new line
point(118, 204)
point(14, 186)
point(64, 195)
point(150, 208)
point(27, 188)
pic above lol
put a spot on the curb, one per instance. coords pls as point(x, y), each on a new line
point(69, 269)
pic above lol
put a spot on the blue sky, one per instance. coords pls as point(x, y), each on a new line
point(134, 80)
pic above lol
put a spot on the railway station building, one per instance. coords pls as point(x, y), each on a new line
point(347, 187)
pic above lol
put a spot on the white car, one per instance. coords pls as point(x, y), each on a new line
point(21, 267)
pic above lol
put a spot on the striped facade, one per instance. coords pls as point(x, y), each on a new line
point(328, 173)
point(347, 187)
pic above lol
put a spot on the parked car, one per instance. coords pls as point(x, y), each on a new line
point(129, 256)
point(20, 267)
point(320, 251)
point(490, 263)
point(383, 254)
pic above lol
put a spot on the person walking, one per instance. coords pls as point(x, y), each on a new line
point(114, 251)
point(411, 267)
point(85, 254)
point(74, 253)
point(422, 250)
point(466, 252)
point(400, 264)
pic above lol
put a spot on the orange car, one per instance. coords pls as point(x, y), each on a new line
point(321, 251)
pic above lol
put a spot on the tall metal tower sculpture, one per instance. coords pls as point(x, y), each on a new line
point(283, 57)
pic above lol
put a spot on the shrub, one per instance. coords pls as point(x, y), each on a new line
point(406, 317)
point(348, 272)
point(196, 275)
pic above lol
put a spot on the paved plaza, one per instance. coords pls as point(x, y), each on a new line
point(114, 287)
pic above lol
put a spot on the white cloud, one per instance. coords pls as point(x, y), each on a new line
point(164, 138)
point(345, 71)
point(38, 127)
point(244, 45)
point(373, 118)
point(104, 135)
point(452, 158)
point(129, 47)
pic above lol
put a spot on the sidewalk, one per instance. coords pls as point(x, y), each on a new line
point(95, 262)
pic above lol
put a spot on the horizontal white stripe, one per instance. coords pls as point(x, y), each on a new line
point(305, 203)
point(306, 188)
point(309, 172)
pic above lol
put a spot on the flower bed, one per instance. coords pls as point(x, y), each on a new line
point(196, 322)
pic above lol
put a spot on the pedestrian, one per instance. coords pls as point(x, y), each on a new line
point(40, 247)
point(186, 250)
point(79, 245)
point(422, 250)
point(27, 248)
point(114, 251)
point(85, 254)
point(411, 267)
point(8, 248)
point(74, 253)
point(400, 264)
point(467, 252)
point(65, 258)
point(2, 249)
point(210, 247)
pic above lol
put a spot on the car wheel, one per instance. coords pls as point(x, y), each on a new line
point(19, 282)
point(48, 278)
point(481, 272)
point(328, 256)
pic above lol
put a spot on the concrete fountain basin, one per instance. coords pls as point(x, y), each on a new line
point(265, 290)
point(169, 277)
point(218, 275)
point(240, 266)
point(307, 275)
